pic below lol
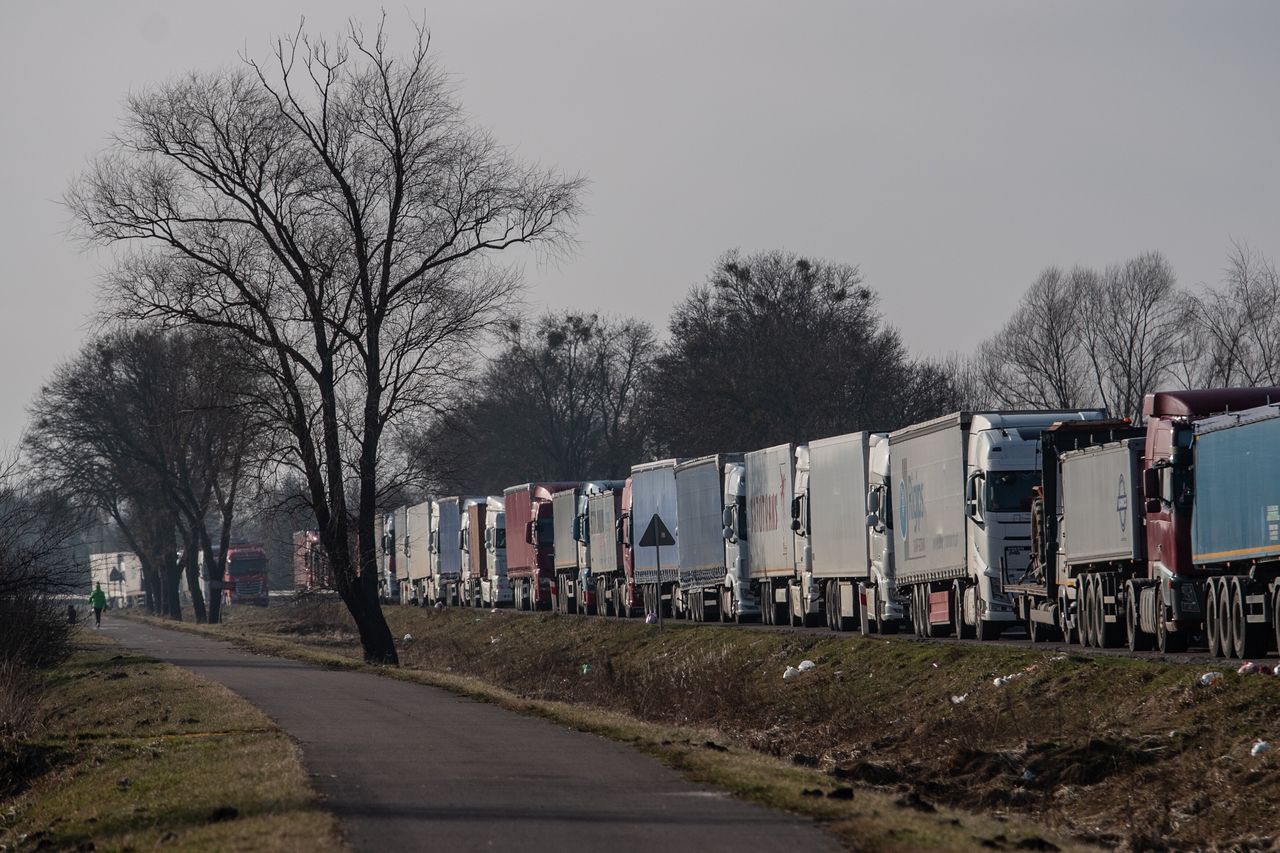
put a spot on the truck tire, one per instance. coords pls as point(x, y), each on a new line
point(963, 631)
point(988, 630)
point(1246, 638)
point(1212, 630)
point(1225, 638)
point(1138, 639)
point(1066, 623)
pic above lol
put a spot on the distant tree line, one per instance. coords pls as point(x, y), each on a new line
point(1083, 337)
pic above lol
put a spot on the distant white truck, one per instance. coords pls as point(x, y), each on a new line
point(656, 568)
point(120, 574)
point(575, 589)
point(840, 566)
point(771, 547)
point(706, 556)
point(444, 576)
point(484, 555)
point(963, 488)
point(416, 537)
point(880, 608)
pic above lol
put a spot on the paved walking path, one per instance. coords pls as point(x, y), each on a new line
point(410, 767)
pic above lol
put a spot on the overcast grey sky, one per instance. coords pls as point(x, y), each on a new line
point(951, 149)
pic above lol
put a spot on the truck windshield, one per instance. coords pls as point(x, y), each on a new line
point(500, 537)
point(1010, 491)
point(246, 566)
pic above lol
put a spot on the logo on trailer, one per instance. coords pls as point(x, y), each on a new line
point(1122, 504)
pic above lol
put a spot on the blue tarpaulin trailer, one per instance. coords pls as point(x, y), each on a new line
point(1236, 515)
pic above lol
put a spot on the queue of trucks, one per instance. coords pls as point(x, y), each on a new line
point(1064, 524)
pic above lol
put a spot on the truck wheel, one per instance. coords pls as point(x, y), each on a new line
point(1212, 630)
point(1138, 639)
point(963, 631)
point(1035, 631)
point(1247, 639)
point(1066, 625)
point(1225, 638)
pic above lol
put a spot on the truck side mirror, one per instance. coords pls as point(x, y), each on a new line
point(462, 541)
point(873, 520)
point(972, 497)
point(873, 501)
point(727, 533)
point(795, 512)
point(726, 516)
point(531, 532)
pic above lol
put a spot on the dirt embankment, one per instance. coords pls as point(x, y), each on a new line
point(1107, 750)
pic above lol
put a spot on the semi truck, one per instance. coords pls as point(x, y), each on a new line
point(416, 537)
point(530, 524)
point(484, 558)
point(656, 567)
point(770, 540)
point(245, 580)
point(574, 592)
point(964, 485)
point(1146, 535)
point(706, 557)
point(444, 573)
point(842, 543)
point(388, 557)
point(739, 601)
point(120, 574)
point(311, 571)
point(605, 516)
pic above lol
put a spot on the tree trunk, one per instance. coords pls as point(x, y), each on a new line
point(171, 584)
point(191, 559)
point(361, 599)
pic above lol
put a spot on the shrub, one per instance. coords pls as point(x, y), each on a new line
point(34, 631)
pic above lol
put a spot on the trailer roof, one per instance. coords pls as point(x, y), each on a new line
point(717, 458)
point(661, 463)
point(1205, 401)
point(1246, 416)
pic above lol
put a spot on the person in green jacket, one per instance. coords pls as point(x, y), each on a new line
point(98, 599)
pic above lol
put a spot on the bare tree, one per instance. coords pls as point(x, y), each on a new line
point(1133, 322)
point(1236, 332)
point(1037, 360)
point(337, 211)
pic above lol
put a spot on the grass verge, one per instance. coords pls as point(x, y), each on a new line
point(132, 753)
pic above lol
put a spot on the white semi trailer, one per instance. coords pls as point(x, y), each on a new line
point(120, 574)
point(963, 486)
point(575, 590)
point(771, 552)
point(880, 608)
point(840, 554)
point(444, 576)
point(739, 601)
point(700, 516)
point(653, 492)
point(417, 552)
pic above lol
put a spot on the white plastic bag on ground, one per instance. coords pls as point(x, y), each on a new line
point(408, 637)
point(790, 673)
point(1247, 668)
point(806, 665)
point(1210, 678)
point(956, 700)
point(1259, 748)
point(651, 619)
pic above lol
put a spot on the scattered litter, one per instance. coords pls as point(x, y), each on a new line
point(439, 605)
point(1247, 668)
point(1259, 748)
point(1210, 678)
point(494, 610)
point(806, 665)
point(791, 673)
point(651, 619)
point(1057, 658)
point(934, 664)
point(493, 641)
point(586, 669)
point(408, 637)
point(1028, 776)
point(956, 700)
point(1005, 679)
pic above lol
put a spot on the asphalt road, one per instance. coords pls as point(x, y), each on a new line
point(410, 767)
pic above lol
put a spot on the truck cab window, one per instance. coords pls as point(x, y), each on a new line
point(1009, 491)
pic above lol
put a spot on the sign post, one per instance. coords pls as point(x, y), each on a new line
point(656, 535)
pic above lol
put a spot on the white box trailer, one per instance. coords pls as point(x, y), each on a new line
point(445, 573)
point(1093, 530)
point(829, 515)
point(653, 492)
point(417, 550)
point(770, 539)
point(700, 512)
point(963, 488)
point(120, 575)
point(398, 554)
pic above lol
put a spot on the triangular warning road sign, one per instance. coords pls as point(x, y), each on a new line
point(656, 534)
